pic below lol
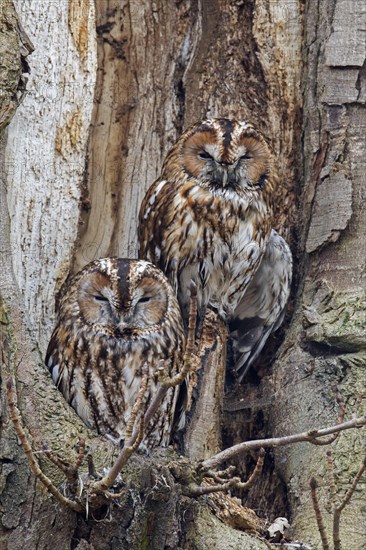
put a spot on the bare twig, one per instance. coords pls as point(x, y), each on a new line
point(309, 436)
point(224, 484)
point(222, 475)
point(131, 444)
point(256, 472)
point(194, 490)
point(189, 354)
point(331, 481)
point(18, 425)
point(61, 463)
point(137, 408)
point(69, 470)
point(318, 514)
point(189, 360)
point(351, 490)
point(341, 413)
point(81, 455)
point(91, 468)
point(343, 503)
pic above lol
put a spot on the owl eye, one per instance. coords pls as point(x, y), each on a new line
point(246, 157)
point(205, 155)
point(100, 298)
point(144, 300)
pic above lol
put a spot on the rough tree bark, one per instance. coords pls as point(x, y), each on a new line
point(111, 85)
point(326, 344)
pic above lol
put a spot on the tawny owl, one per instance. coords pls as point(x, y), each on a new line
point(208, 217)
point(115, 316)
point(262, 308)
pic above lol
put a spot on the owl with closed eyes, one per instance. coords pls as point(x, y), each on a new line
point(115, 316)
point(208, 217)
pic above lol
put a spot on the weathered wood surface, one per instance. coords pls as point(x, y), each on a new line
point(111, 86)
point(326, 343)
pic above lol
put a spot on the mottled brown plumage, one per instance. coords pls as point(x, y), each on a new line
point(262, 308)
point(208, 217)
point(115, 316)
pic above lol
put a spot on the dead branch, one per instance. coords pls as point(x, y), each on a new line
point(331, 481)
point(189, 360)
point(189, 353)
point(222, 474)
point(194, 490)
point(80, 458)
point(318, 514)
point(309, 437)
point(18, 425)
point(340, 419)
point(338, 509)
point(256, 472)
point(138, 406)
point(61, 463)
point(223, 483)
point(135, 431)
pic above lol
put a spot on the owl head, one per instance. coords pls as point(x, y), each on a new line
point(121, 295)
point(223, 153)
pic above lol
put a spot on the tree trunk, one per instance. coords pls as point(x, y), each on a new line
point(325, 346)
point(111, 86)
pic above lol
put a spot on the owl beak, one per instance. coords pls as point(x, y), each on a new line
point(224, 177)
point(124, 323)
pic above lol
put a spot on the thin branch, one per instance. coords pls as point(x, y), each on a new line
point(189, 360)
point(61, 463)
point(155, 403)
point(340, 419)
point(227, 484)
point(256, 472)
point(107, 481)
point(331, 481)
point(343, 503)
point(91, 467)
point(309, 437)
point(318, 514)
point(222, 475)
point(129, 448)
point(18, 425)
point(81, 455)
point(136, 409)
point(194, 490)
point(351, 490)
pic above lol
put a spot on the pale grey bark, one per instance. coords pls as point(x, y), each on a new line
point(326, 343)
point(45, 152)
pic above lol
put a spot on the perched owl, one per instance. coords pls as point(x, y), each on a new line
point(208, 217)
point(115, 316)
point(262, 308)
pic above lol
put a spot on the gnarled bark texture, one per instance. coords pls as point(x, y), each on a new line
point(111, 84)
point(325, 346)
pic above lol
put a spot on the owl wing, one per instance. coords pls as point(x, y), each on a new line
point(60, 362)
point(262, 308)
point(154, 218)
point(55, 362)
